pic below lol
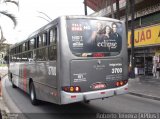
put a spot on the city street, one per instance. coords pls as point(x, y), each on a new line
point(80, 50)
point(118, 104)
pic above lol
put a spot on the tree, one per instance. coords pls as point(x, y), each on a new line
point(9, 15)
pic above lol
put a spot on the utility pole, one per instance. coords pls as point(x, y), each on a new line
point(85, 8)
point(111, 6)
point(117, 9)
point(132, 4)
point(126, 17)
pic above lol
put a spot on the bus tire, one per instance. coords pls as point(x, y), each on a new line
point(33, 99)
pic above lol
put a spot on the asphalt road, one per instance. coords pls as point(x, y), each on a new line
point(118, 104)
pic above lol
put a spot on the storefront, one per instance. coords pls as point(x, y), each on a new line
point(147, 45)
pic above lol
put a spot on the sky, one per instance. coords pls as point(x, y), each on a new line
point(28, 16)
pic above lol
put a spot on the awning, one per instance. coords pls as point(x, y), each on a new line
point(96, 5)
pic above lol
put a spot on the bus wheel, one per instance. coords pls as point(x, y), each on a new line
point(33, 99)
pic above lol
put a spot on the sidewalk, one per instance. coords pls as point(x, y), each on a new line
point(145, 86)
point(3, 108)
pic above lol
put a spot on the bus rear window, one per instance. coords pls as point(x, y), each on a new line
point(94, 38)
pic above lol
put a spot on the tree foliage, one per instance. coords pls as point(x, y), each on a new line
point(8, 15)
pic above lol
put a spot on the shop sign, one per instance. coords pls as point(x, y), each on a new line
point(145, 36)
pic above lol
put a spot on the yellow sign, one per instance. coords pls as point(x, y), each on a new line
point(145, 36)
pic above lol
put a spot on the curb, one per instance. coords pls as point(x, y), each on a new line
point(14, 111)
point(145, 96)
point(9, 103)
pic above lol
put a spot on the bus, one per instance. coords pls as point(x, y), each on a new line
point(72, 59)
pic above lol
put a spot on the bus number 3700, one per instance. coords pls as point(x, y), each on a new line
point(116, 70)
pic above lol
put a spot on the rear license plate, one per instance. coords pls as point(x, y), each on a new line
point(99, 86)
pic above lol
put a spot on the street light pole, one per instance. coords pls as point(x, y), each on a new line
point(132, 4)
point(126, 17)
point(117, 9)
point(85, 8)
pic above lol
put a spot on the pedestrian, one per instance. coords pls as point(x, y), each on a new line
point(158, 70)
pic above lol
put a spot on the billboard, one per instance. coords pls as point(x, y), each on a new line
point(145, 36)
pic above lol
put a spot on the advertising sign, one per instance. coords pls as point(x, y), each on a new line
point(145, 36)
point(88, 36)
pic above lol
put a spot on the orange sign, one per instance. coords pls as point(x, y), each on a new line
point(145, 36)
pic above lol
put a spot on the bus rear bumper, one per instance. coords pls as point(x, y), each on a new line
point(67, 97)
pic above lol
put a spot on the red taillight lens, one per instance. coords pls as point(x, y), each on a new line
point(117, 83)
point(121, 83)
point(98, 55)
point(65, 89)
point(77, 89)
point(71, 89)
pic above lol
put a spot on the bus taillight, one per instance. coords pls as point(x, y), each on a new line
point(77, 89)
point(71, 88)
point(121, 83)
point(117, 83)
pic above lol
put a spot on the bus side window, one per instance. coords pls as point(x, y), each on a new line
point(24, 57)
point(10, 58)
point(32, 44)
point(52, 53)
point(26, 46)
point(39, 41)
point(20, 48)
point(30, 54)
point(52, 49)
point(53, 36)
point(14, 58)
point(18, 58)
point(41, 54)
point(23, 47)
point(44, 39)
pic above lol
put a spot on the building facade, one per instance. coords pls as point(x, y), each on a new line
point(147, 29)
